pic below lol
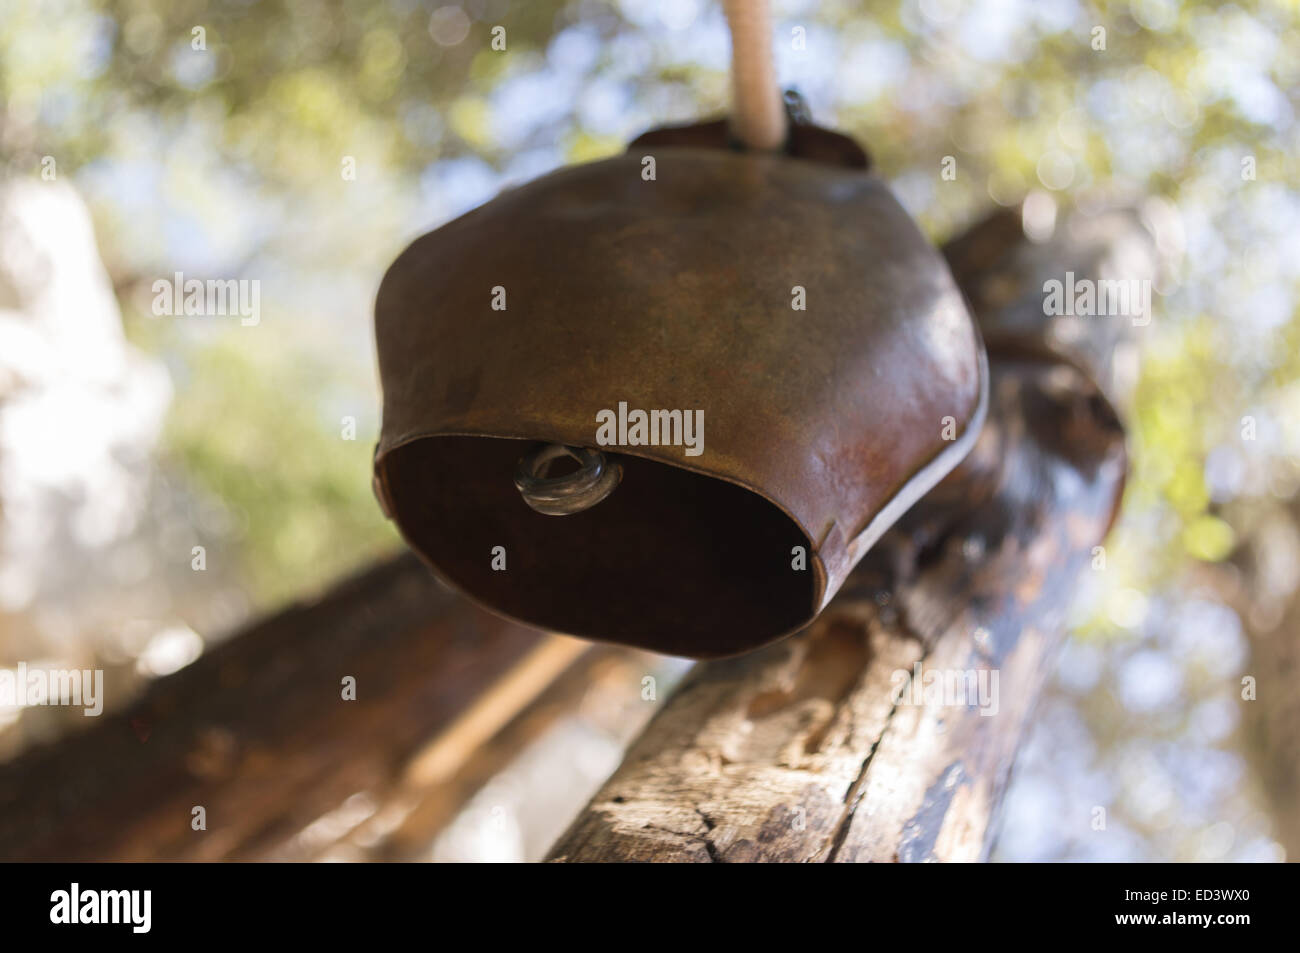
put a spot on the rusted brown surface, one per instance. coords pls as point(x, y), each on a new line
point(804, 751)
point(820, 425)
point(257, 732)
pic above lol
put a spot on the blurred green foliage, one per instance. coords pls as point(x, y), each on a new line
point(249, 432)
point(229, 160)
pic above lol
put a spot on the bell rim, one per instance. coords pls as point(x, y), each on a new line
point(837, 536)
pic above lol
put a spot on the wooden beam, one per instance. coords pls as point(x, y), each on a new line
point(828, 746)
point(1261, 583)
point(258, 734)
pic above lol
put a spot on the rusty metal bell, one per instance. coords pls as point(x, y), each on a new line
point(535, 327)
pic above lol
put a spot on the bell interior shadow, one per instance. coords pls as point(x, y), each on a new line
point(671, 560)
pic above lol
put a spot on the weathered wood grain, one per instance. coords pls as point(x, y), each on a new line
point(257, 733)
point(813, 749)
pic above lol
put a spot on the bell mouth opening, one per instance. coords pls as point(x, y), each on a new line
point(672, 560)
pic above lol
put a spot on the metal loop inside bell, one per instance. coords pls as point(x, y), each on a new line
point(595, 479)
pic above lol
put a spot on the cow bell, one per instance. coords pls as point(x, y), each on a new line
point(669, 399)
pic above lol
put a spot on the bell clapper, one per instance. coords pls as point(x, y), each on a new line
point(595, 479)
